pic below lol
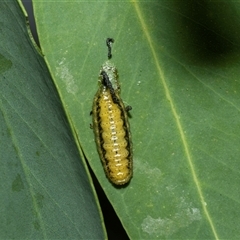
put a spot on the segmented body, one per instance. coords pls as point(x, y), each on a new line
point(111, 128)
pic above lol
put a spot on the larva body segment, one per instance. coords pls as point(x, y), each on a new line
point(111, 128)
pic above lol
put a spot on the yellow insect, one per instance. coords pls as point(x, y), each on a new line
point(110, 125)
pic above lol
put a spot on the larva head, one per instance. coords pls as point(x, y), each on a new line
point(111, 71)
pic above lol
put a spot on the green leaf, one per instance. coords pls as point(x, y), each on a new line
point(179, 69)
point(44, 187)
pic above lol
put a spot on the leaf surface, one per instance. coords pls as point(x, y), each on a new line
point(44, 187)
point(178, 65)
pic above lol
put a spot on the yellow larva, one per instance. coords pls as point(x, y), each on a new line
point(111, 127)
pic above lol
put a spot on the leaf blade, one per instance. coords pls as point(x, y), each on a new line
point(182, 95)
point(45, 189)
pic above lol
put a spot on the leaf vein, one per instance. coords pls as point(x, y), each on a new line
point(175, 114)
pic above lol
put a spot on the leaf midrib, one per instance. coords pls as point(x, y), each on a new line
point(175, 114)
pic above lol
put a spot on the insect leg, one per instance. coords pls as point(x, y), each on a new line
point(128, 108)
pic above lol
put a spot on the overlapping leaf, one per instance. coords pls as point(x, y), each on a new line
point(45, 192)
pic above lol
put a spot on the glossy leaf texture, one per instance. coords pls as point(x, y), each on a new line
point(179, 68)
point(45, 192)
